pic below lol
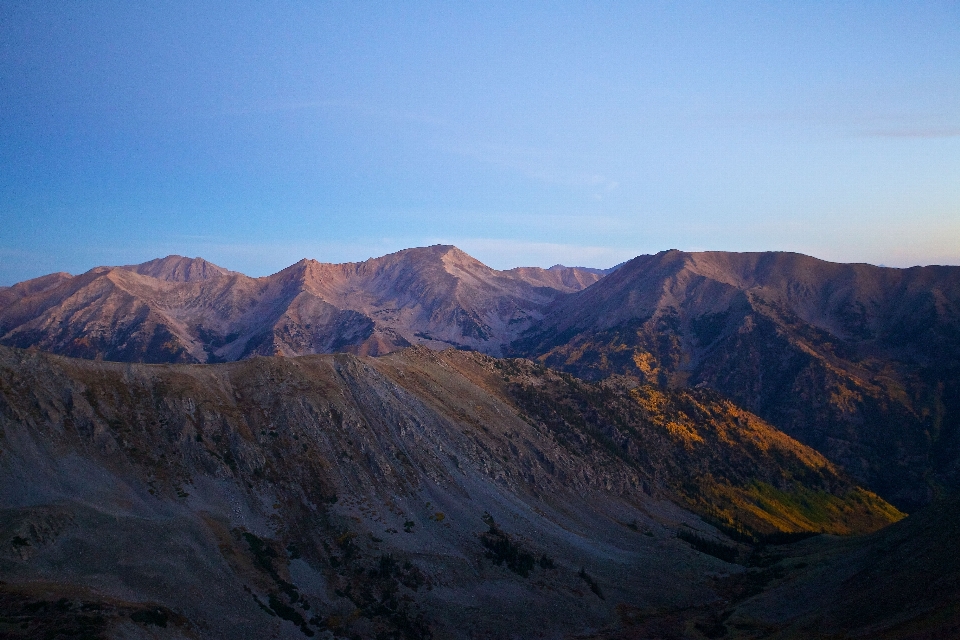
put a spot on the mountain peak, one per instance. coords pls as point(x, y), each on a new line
point(436, 250)
point(453, 256)
point(174, 268)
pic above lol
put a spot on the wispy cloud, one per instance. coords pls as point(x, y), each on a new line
point(250, 258)
point(264, 258)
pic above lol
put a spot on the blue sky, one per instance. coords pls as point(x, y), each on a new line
point(256, 134)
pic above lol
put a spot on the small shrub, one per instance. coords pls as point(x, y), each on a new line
point(502, 550)
point(786, 537)
point(286, 612)
point(20, 541)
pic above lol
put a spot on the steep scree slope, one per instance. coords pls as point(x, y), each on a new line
point(421, 494)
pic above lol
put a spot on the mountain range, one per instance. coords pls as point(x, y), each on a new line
point(860, 362)
point(178, 309)
point(421, 446)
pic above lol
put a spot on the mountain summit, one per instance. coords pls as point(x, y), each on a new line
point(178, 269)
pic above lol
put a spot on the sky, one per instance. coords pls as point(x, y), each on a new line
point(255, 134)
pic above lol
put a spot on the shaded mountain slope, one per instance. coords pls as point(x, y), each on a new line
point(899, 583)
point(178, 309)
point(415, 495)
point(860, 362)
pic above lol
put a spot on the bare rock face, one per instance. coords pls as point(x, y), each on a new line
point(422, 494)
point(178, 309)
point(860, 362)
